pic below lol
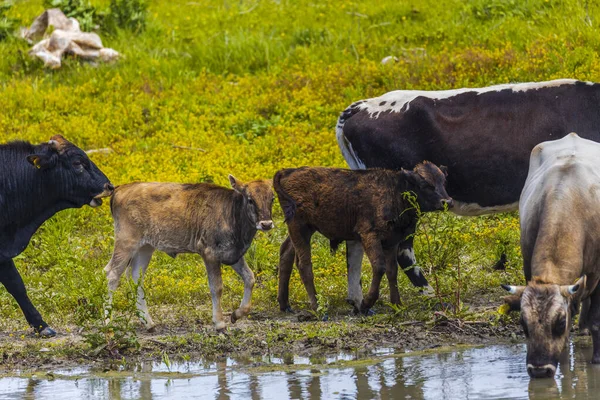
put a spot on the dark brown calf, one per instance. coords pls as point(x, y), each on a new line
point(366, 205)
point(210, 220)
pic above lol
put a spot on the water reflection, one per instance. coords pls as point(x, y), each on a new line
point(484, 373)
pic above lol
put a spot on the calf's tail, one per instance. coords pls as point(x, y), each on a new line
point(288, 204)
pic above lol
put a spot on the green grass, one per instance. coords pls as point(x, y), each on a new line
point(259, 86)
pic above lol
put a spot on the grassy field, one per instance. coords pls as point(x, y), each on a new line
point(258, 85)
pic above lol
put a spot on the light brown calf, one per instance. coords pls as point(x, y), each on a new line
point(216, 222)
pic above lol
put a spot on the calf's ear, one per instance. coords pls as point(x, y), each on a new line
point(40, 161)
point(413, 178)
point(236, 184)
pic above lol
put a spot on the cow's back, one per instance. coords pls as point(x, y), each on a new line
point(170, 213)
point(484, 136)
point(560, 208)
point(338, 200)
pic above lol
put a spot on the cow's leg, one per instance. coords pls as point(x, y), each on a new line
point(391, 271)
point(287, 254)
point(242, 269)
point(594, 323)
point(407, 262)
point(376, 255)
point(300, 235)
point(354, 256)
point(215, 282)
point(11, 279)
point(139, 265)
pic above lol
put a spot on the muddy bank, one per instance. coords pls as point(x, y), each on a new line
point(257, 339)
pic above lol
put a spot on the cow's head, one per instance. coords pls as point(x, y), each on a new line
point(546, 311)
point(258, 201)
point(429, 184)
point(70, 173)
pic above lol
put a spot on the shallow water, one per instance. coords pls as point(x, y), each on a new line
point(494, 372)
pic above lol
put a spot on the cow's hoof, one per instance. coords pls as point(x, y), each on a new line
point(596, 359)
point(584, 332)
point(288, 310)
point(368, 312)
point(47, 332)
point(233, 318)
point(325, 317)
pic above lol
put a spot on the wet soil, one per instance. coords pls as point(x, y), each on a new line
point(262, 334)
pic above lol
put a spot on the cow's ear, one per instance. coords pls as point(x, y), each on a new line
point(40, 161)
point(413, 178)
point(236, 184)
point(444, 169)
point(514, 301)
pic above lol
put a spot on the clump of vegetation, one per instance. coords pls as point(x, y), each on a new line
point(107, 330)
point(8, 25)
point(81, 10)
point(126, 14)
point(121, 14)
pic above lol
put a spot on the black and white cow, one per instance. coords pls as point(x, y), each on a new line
point(483, 135)
point(35, 183)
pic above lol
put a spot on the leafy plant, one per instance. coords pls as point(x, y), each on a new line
point(81, 10)
point(440, 253)
point(109, 331)
point(7, 25)
point(127, 14)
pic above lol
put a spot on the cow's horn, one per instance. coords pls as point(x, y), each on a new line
point(58, 142)
point(573, 289)
point(509, 288)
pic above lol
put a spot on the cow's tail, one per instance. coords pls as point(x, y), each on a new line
point(288, 204)
point(345, 146)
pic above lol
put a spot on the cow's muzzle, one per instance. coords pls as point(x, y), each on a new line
point(448, 202)
point(544, 371)
point(108, 191)
point(265, 225)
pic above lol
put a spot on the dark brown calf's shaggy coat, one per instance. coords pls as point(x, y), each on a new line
point(216, 222)
point(342, 204)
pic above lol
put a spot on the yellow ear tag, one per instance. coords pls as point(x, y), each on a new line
point(504, 309)
point(36, 162)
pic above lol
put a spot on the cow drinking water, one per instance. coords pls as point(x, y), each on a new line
point(366, 206)
point(216, 222)
point(560, 242)
point(36, 182)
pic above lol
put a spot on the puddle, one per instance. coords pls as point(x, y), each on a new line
point(494, 372)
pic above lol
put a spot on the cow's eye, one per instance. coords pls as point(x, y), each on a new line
point(250, 201)
point(559, 326)
point(77, 163)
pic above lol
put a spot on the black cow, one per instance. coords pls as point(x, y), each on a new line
point(484, 136)
point(35, 183)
